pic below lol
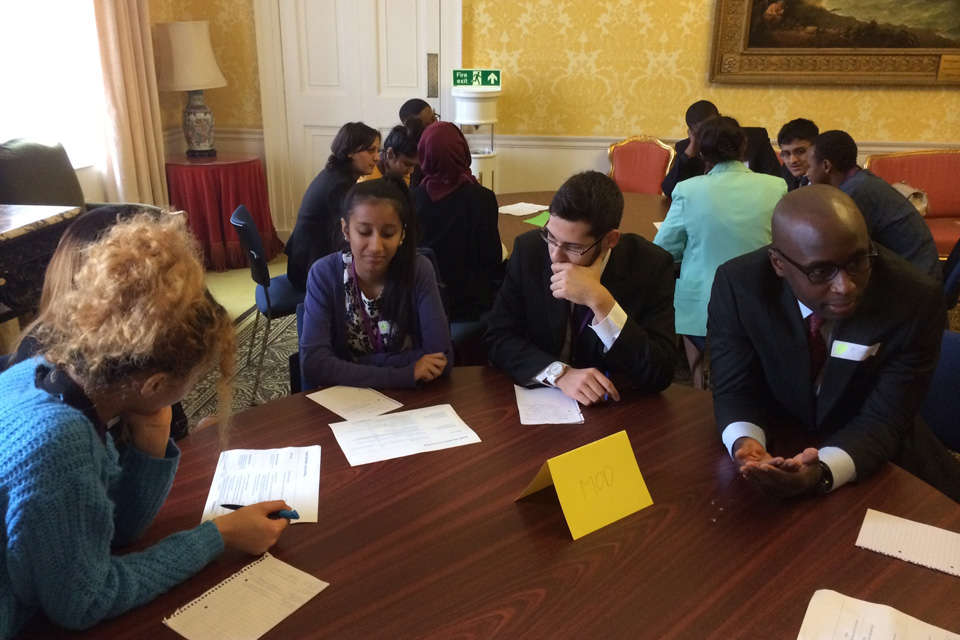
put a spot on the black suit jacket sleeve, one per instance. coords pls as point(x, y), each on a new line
point(527, 326)
point(888, 414)
point(740, 391)
point(647, 346)
point(683, 167)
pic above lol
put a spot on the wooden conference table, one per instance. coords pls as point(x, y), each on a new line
point(434, 546)
point(640, 211)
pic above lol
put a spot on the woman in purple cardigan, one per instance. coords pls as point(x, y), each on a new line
point(373, 314)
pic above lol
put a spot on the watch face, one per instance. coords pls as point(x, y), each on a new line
point(555, 369)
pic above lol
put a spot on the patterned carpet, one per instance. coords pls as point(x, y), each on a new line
point(274, 382)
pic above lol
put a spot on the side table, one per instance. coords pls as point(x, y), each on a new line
point(209, 190)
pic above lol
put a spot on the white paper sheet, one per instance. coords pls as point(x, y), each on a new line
point(914, 542)
point(354, 403)
point(546, 405)
point(402, 434)
point(247, 604)
point(657, 225)
point(247, 476)
point(523, 208)
point(834, 616)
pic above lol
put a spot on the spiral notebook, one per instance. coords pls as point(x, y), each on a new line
point(247, 604)
point(914, 542)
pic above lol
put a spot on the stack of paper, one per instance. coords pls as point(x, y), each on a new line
point(402, 434)
point(247, 476)
point(522, 209)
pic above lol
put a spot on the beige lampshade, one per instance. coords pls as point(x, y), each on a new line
point(186, 57)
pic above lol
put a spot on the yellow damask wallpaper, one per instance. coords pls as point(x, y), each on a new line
point(233, 35)
point(623, 67)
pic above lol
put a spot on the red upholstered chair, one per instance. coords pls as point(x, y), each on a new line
point(937, 173)
point(640, 163)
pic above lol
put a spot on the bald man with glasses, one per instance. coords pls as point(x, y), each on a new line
point(822, 348)
point(582, 301)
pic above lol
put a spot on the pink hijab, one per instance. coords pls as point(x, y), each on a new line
point(444, 160)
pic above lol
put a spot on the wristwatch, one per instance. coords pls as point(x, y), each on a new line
point(554, 371)
point(826, 478)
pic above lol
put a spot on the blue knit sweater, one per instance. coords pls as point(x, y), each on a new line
point(66, 500)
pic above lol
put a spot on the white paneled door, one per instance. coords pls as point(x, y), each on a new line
point(349, 60)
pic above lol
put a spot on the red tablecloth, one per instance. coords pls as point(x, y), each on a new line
point(209, 191)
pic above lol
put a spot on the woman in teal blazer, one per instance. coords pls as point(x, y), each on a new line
point(713, 218)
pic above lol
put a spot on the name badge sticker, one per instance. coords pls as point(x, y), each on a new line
point(853, 351)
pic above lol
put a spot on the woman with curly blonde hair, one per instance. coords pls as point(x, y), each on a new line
point(129, 338)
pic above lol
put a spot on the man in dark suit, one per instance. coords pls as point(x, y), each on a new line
point(795, 139)
point(759, 156)
point(825, 339)
point(581, 300)
point(891, 219)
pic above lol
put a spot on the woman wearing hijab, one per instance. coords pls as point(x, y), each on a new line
point(458, 221)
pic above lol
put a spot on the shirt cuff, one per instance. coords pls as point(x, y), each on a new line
point(737, 430)
point(541, 377)
point(608, 329)
point(841, 465)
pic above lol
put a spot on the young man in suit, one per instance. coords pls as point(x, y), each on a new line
point(825, 339)
point(795, 139)
point(581, 300)
point(892, 220)
point(759, 156)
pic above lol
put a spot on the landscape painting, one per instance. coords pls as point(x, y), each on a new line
point(870, 42)
point(856, 24)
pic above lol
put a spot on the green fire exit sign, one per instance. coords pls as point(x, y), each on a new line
point(476, 77)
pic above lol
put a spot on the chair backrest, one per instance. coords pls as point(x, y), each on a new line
point(252, 245)
point(36, 173)
point(941, 407)
point(640, 163)
point(933, 171)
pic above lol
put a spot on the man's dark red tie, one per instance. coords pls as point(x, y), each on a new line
point(818, 346)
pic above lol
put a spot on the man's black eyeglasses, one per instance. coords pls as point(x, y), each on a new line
point(563, 246)
point(824, 273)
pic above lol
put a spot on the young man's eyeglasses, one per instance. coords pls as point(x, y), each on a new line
point(569, 249)
point(824, 273)
point(799, 152)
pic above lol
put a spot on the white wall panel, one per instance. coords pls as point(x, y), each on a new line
point(320, 44)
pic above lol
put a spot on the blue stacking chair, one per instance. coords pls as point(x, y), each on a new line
point(941, 407)
point(276, 297)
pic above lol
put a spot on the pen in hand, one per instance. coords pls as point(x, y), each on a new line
point(290, 514)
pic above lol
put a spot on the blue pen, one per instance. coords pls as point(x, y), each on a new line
point(606, 396)
point(289, 514)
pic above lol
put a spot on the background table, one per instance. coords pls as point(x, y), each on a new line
point(209, 190)
point(640, 211)
point(434, 545)
point(29, 235)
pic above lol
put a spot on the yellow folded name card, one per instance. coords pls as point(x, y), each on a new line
point(597, 484)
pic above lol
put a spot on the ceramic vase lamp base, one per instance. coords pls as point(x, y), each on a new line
point(198, 126)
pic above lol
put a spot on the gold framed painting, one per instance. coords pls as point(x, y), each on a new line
point(876, 42)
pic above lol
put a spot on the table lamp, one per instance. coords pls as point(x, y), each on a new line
point(187, 64)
